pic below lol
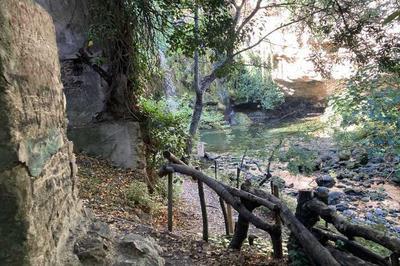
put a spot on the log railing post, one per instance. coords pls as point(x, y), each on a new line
point(230, 218)
point(221, 201)
point(318, 253)
point(203, 209)
point(170, 199)
point(277, 237)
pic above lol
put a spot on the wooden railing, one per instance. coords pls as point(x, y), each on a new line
point(310, 208)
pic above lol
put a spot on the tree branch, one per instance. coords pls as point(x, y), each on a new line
point(269, 33)
point(248, 18)
point(86, 59)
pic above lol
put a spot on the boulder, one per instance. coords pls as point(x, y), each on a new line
point(135, 249)
point(325, 157)
point(343, 174)
point(360, 177)
point(103, 246)
point(352, 165)
point(342, 207)
point(353, 191)
point(360, 156)
point(325, 181)
point(334, 197)
point(365, 199)
point(344, 155)
point(119, 142)
point(240, 119)
point(322, 192)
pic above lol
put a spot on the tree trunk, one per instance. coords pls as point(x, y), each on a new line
point(194, 124)
point(198, 106)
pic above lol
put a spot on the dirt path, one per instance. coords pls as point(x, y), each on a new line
point(190, 202)
point(191, 206)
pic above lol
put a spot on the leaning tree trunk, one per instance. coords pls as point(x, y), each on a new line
point(198, 106)
point(194, 124)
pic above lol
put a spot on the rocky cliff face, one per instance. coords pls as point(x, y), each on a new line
point(41, 218)
point(117, 141)
point(38, 195)
point(83, 87)
point(290, 52)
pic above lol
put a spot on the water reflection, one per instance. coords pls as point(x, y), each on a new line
point(254, 138)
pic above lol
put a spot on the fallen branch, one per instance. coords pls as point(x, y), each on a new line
point(315, 250)
point(347, 259)
point(351, 230)
point(351, 246)
point(252, 197)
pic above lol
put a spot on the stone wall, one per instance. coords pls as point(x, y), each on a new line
point(38, 195)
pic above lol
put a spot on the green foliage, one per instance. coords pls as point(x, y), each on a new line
point(162, 187)
point(212, 119)
point(138, 196)
point(374, 247)
point(166, 129)
point(254, 84)
point(215, 27)
point(126, 30)
point(370, 105)
point(299, 159)
point(364, 28)
point(298, 257)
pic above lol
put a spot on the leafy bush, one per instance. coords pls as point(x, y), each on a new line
point(370, 106)
point(162, 187)
point(212, 119)
point(299, 159)
point(166, 129)
point(138, 196)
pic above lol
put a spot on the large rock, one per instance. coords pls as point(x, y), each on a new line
point(102, 246)
point(38, 196)
point(119, 142)
point(325, 181)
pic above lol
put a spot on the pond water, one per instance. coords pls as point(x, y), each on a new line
point(254, 138)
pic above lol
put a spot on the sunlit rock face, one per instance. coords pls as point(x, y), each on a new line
point(290, 51)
